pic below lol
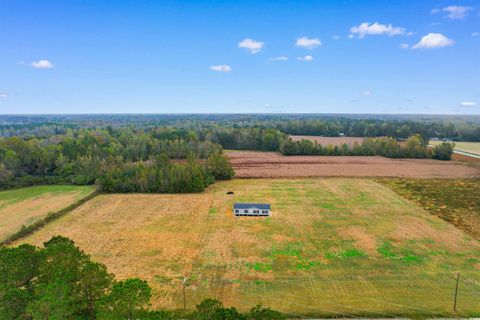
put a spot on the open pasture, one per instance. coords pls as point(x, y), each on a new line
point(257, 164)
point(332, 247)
point(26, 206)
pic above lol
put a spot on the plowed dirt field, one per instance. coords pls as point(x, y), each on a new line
point(256, 164)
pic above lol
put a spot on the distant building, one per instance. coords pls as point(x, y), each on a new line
point(251, 209)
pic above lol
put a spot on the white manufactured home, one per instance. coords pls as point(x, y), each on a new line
point(251, 209)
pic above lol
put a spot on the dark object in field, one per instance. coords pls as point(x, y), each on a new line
point(230, 192)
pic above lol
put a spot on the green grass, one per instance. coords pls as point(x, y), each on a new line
point(9, 197)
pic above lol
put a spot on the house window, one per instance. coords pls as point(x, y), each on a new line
point(256, 211)
point(245, 211)
point(237, 211)
point(265, 211)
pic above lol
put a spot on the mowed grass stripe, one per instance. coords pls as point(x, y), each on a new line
point(331, 247)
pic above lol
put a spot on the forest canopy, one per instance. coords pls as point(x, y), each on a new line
point(184, 153)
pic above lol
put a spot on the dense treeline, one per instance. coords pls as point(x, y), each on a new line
point(459, 128)
point(127, 151)
point(84, 156)
point(163, 176)
point(60, 281)
point(413, 147)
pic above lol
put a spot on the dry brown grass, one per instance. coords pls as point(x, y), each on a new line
point(255, 164)
point(29, 205)
point(331, 247)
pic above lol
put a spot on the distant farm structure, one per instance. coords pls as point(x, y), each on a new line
point(251, 209)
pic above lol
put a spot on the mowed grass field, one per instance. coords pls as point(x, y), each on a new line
point(28, 205)
point(332, 247)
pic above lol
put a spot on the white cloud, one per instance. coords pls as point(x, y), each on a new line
point(432, 41)
point(367, 93)
point(221, 68)
point(476, 34)
point(306, 58)
point(3, 95)
point(454, 12)
point(468, 104)
point(376, 28)
point(335, 37)
point(351, 36)
point(251, 45)
point(308, 43)
point(280, 58)
point(404, 45)
point(42, 64)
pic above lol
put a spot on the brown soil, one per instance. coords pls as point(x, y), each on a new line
point(335, 141)
point(254, 164)
point(462, 157)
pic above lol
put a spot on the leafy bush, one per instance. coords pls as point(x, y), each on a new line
point(443, 151)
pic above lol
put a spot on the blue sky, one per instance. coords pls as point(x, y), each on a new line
point(215, 56)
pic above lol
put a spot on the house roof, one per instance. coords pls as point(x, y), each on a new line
point(262, 206)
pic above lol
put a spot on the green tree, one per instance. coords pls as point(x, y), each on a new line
point(443, 151)
point(94, 282)
point(206, 309)
point(262, 313)
point(68, 284)
point(218, 165)
point(18, 269)
point(127, 300)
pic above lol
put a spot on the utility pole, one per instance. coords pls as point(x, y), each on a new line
point(456, 292)
point(184, 284)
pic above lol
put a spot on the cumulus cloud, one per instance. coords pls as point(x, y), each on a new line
point(221, 68)
point(367, 93)
point(280, 58)
point(3, 95)
point(307, 43)
point(468, 104)
point(476, 34)
point(306, 58)
point(251, 45)
point(376, 28)
point(454, 12)
point(42, 64)
point(432, 41)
